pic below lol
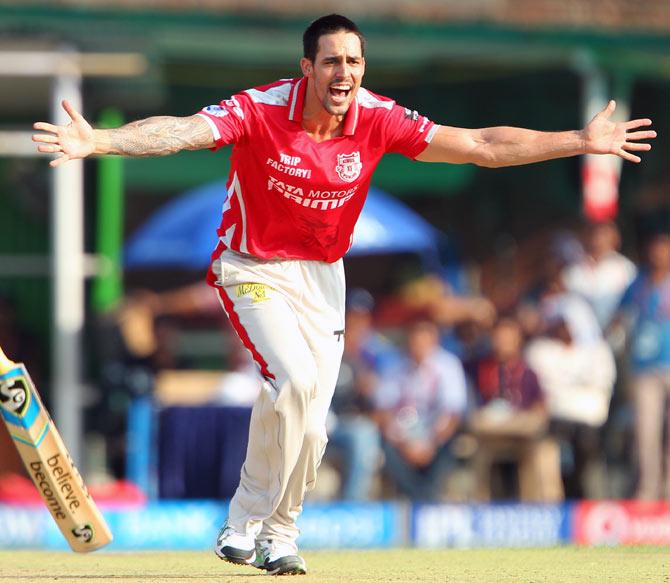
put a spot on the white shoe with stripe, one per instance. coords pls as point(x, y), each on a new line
point(235, 547)
point(279, 558)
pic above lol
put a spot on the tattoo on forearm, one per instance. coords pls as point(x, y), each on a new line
point(159, 136)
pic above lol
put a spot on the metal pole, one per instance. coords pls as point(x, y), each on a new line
point(69, 265)
point(68, 273)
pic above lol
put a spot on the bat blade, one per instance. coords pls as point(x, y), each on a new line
point(48, 462)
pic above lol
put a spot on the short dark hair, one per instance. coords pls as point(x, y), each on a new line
point(327, 25)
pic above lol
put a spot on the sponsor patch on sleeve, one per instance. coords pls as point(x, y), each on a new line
point(216, 110)
point(412, 114)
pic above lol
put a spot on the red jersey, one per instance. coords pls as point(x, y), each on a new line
point(289, 196)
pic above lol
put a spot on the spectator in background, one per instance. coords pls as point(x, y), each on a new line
point(551, 296)
point(353, 436)
point(511, 421)
point(577, 372)
point(557, 303)
point(646, 303)
point(420, 407)
point(564, 249)
point(602, 276)
point(430, 295)
point(464, 320)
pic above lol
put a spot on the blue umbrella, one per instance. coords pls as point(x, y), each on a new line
point(182, 232)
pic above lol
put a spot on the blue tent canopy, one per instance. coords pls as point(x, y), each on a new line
point(182, 232)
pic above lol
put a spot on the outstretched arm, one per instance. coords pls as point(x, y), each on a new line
point(507, 146)
point(154, 136)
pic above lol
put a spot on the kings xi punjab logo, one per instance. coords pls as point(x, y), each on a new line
point(349, 166)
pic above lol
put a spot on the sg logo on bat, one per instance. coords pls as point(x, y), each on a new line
point(14, 395)
point(84, 533)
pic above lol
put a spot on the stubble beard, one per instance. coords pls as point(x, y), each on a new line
point(338, 110)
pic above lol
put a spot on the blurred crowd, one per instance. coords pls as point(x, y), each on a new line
point(561, 392)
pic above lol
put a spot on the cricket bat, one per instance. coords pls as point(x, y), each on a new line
point(47, 460)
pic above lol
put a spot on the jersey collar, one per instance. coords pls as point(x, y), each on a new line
point(296, 102)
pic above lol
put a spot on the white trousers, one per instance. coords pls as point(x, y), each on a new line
point(290, 315)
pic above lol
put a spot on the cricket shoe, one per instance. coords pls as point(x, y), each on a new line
point(235, 547)
point(279, 558)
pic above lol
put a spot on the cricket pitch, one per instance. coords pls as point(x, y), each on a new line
point(553, 565)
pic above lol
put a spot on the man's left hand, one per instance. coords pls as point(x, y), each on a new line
point(602, 136)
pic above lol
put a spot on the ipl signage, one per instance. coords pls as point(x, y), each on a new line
point(193, 525)
point(352, 525)
point(490, 525)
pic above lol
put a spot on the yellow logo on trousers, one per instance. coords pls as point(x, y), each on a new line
point(257, 292)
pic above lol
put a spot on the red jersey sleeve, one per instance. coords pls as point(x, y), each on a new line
point(229, 119)
point(407, 131)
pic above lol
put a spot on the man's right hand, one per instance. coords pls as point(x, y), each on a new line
point(73, 141)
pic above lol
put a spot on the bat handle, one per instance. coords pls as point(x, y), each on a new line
point(5, 364)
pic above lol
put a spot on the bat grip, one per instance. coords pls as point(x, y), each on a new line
point(5, 364)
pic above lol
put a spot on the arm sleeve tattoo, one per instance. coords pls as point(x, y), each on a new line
point(156, 136)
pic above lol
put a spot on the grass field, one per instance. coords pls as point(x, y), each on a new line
point(557, 565)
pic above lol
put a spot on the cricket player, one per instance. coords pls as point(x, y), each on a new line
point(304, 151)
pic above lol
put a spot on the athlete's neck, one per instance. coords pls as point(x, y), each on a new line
point(319, 123)
point(322, 125)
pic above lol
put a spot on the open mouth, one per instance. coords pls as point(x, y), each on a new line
point(339, 93)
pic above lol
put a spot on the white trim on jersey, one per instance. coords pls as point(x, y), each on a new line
point(355, 124)
point(227, 238)
point(277, 95)
point(294, 100)
point(235, 189)
point(215, 131)
point(366, 99)
point(243, 212)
